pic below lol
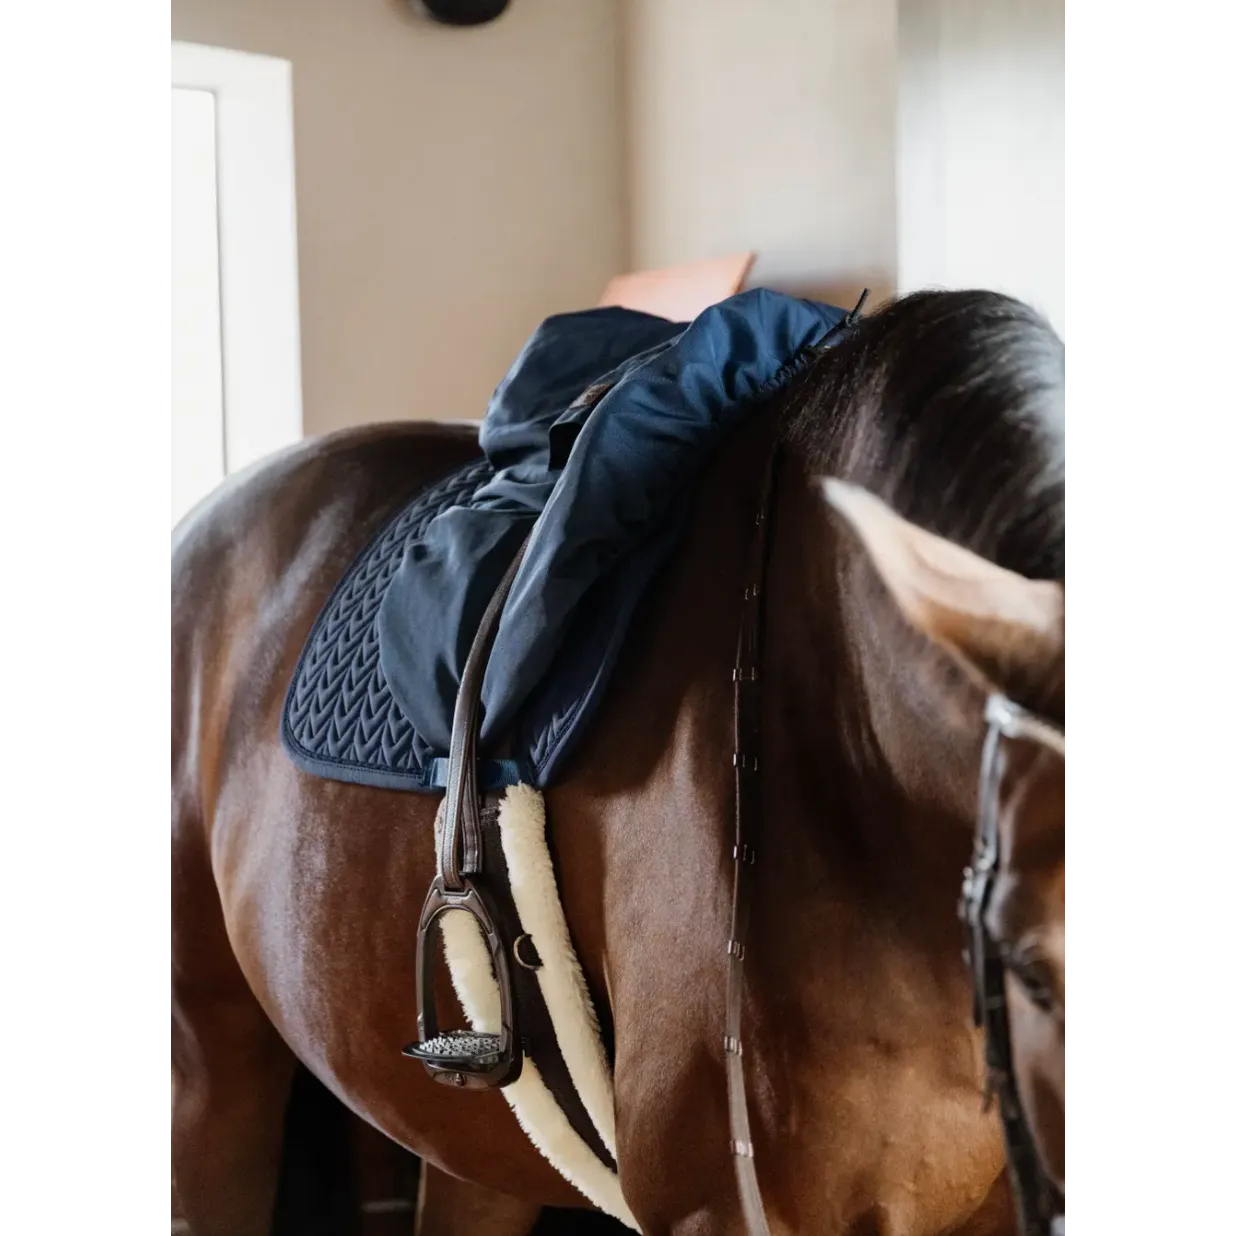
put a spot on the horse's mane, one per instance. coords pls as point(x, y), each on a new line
point(949, 406)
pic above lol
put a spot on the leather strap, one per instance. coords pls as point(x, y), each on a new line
point(746, 840)
point(462, 818)
point(1037, 1199)
point(747, 814)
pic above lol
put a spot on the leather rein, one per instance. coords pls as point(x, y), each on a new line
point(1040, 1204)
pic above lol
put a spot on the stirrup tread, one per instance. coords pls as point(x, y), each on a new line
point(458, 1049)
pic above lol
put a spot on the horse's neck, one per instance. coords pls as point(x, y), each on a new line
point(843, 691)
point(856, 993)
point(857, 1001)
point(861, 788)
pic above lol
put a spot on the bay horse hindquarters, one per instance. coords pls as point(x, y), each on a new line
point(250, 567)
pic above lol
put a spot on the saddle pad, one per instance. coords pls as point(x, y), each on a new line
point(600, 482)
point(340, 719)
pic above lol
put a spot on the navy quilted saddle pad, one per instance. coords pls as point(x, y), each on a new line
point(593, 446)
point(340, 719)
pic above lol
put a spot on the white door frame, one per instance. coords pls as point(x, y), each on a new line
point(258, 284)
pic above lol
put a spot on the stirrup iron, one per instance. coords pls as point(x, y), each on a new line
point(465, 1058)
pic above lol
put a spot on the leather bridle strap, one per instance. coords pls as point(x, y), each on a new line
point(1038, 1201)
point(746, 838)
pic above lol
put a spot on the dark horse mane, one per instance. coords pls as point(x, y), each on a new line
point(950, 407)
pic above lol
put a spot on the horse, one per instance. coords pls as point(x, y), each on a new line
point(915, 570)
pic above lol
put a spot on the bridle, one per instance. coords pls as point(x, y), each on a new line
point(1040, 1204)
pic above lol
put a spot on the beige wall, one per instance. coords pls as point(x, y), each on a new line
point(453, 188)
point(981, 147)
point(766, 126)
point(456, 186)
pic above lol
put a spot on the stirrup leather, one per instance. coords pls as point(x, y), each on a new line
point(466, 1058)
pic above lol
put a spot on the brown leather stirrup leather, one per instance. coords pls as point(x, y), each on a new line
point(466, 1058)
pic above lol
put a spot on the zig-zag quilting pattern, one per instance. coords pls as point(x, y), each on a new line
point(339, 715)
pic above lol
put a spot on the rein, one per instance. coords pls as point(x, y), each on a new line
point(746, 841)
point(747, 821)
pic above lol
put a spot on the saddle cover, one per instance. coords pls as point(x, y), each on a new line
point(591, 448)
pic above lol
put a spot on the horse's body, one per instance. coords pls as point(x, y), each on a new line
point(296, 899)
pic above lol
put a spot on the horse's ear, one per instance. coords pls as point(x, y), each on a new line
point(993, 620)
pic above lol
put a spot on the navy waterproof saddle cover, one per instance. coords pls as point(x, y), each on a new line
point(591, 448)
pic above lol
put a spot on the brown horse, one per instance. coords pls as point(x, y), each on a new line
point(296, 899)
